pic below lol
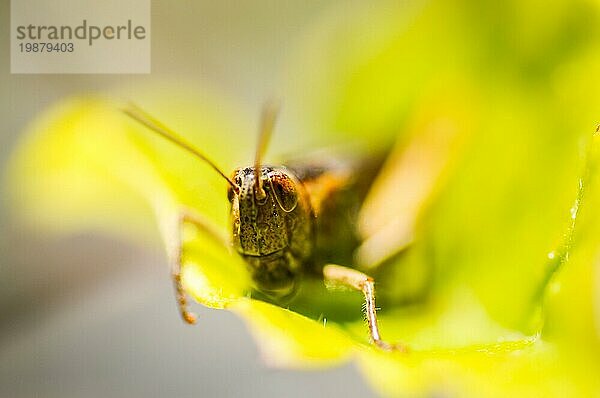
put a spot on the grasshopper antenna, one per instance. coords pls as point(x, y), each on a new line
point(142, 117)
point(267, 122)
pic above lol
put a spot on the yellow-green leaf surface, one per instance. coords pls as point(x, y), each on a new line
point(480, 297)
point(521, 73)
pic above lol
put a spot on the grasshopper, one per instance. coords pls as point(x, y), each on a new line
point(290, 222)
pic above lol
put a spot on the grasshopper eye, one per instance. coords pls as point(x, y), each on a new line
point(285, 192)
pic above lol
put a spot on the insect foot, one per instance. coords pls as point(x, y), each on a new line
point(384, 345)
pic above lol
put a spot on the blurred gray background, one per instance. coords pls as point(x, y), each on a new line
point(110, 328)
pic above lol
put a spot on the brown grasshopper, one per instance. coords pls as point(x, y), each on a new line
point(289, 221)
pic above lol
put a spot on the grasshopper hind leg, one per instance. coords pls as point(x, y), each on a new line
point(348, 277)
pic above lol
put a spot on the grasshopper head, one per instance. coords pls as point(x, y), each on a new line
point(268, 225)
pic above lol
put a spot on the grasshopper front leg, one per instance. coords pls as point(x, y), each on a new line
point(348, 277)
point(175, 254)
